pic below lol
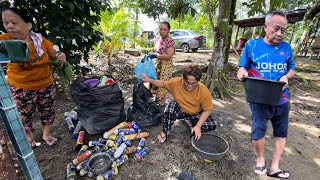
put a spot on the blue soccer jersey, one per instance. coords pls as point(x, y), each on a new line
point(268, 62)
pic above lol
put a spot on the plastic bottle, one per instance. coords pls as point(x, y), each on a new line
point(108, 133)
point(135, 136)
point(70, 124)
point(141, 143)
point(140, 154)
point(77, 130)
point(71, 172)
point(72, 116)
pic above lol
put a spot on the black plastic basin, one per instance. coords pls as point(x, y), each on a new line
point(263, 91)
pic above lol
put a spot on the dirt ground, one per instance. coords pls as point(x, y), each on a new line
point(166, 161)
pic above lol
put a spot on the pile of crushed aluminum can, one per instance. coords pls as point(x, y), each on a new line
point(101, 159)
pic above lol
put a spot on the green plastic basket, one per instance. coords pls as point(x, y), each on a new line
point(17, 50)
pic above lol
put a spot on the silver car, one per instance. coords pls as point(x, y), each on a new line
point(187, 39)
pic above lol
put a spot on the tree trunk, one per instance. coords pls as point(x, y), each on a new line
point(307, 26)
point(215, 78)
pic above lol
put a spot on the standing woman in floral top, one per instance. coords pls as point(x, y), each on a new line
point(163, 50)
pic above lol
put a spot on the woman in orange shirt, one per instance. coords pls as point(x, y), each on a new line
point(31, 82)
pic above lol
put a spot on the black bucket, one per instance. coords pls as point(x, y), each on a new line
point(263, 91)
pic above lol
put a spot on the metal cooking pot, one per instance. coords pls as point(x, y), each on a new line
point(99, 163)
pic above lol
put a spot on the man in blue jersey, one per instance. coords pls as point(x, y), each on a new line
point(269, 58)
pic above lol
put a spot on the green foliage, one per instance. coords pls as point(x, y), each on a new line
point(67, 23)
point(174, 8)
point(180, 8)
point(293, 4)
point(63, 69)
point(117, 25)
point(260, 6)
point(153, 8)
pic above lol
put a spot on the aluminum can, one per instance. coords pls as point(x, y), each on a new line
point(140, 154)
point(82, 150)
point(77, 130)
point(126, 131)
point(136, 125)
point(111, 151)
point(141, 143)
point(80, 140)
point(135, 136)
point(111, 172)
point(110, 143)
point(70, 124)
point(119, 140)
point(71, 115)
point(120, 150)
point(71, 171)
point(108, 133)
point(122, 159)
point(95, 143)
point(130, 150)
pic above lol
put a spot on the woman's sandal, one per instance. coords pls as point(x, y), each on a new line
point(162, 137)
point(34, 144)
point(51, 141)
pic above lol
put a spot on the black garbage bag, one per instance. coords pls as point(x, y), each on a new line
point(143, 109)
point(99, 108)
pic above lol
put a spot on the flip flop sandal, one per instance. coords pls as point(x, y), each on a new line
point(278, 174)
point(261, 170)
point(162, 137)
point(51, 141)
point(34, 144)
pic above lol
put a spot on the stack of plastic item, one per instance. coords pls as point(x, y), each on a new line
point(116, 146)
